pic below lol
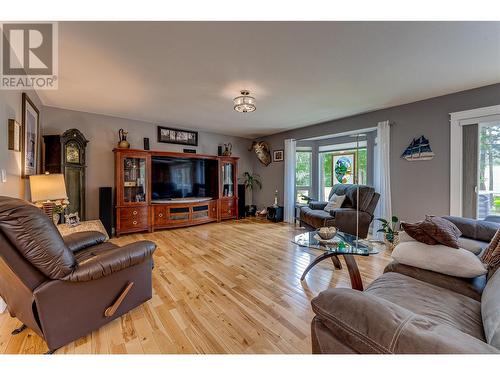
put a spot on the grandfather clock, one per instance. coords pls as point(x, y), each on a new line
point(66, 154)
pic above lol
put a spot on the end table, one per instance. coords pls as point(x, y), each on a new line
point(275, 214)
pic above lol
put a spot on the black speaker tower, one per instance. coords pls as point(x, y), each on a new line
point(106, 208)
point(241, 201)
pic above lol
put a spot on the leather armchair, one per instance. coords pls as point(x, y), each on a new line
point(64, 288)
point(345, 218)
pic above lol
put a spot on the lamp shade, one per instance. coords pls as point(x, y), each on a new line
point(47, 187)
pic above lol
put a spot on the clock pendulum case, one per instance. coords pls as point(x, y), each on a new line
point(66, 154)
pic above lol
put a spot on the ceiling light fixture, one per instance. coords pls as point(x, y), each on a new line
point(244, 103)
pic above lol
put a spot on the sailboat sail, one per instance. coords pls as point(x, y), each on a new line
point(419, 149)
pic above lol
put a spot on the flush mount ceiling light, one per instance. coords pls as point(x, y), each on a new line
point(244, 103)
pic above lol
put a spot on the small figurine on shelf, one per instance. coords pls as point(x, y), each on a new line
point(275, 204)
point(122, 136)
point(228, 149)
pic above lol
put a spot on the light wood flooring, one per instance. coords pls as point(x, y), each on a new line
point(231, 287)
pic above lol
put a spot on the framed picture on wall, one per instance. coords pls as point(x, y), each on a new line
point(344, 167)
point(177, 136)
point(278, 155)
point(30, 137)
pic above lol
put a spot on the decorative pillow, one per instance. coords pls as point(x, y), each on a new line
point(335, 202)
point(441, 230)
point(491, 256)
point(417, 233)
point(439, 258)
point(490, 306)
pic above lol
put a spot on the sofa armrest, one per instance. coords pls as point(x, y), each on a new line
point(82, 240)
point(368, 324)
point(106, 263)
point(317, 205)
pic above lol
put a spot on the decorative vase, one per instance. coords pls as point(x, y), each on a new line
point(55, 218)
point(391, 245)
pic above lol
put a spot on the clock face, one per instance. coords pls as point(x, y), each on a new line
point(72, 154)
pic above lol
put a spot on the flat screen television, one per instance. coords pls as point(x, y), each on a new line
point(182, 178)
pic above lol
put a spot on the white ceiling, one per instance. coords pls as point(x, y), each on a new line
point(186, 74)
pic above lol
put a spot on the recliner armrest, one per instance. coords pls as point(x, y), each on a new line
point(82, 240)
point(111, 261)
point(369, 324)
point(317, 205)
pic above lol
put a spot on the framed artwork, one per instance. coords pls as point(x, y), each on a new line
point(14, 135)
point(177, 136)
point(278, 155)
point(30, 137)
point(344, 167)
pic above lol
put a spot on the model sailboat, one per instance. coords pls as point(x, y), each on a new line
point(419, 149)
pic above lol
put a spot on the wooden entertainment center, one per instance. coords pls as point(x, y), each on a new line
point(136, 211)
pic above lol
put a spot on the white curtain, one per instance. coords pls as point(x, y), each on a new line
point(382, 176)
point(289, 181)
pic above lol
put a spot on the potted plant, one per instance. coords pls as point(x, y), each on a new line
point(251, 181)
point(390, 230)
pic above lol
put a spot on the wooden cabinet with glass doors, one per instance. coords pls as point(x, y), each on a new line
point(132, 191)
point(228, 194)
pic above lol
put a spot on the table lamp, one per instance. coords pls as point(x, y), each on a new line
point(47, 188)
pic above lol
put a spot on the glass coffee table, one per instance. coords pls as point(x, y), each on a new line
point(346, 245)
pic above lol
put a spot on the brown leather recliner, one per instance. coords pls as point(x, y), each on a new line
point(65, 288)
point(351, 217)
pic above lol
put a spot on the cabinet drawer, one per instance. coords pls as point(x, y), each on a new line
point(227, 208)
point(160, 215)
point(134, 217)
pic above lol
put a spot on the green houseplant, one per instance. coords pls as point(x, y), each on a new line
point(251, 181)
point(390, 230)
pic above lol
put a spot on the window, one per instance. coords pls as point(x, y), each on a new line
point(303, 166)
point(488, 195)
point(337, 167)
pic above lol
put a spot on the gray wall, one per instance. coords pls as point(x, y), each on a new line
point(418, 188)
point(11, 107)
point(102, 132)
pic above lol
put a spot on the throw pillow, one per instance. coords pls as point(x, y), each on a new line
point(417, 233)
point(491, 256)
point(439, 258)
point(334, 202)
point(442, 230)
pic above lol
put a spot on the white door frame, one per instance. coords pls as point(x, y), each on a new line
point(457, 120)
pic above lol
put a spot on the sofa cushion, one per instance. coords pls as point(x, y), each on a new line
point(35, 236)
point(490, 309)
point(439, 258)
point(442, 230)
point(470, 287)
point(474, 246)
point(438, 304)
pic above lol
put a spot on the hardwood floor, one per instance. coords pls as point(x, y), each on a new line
point(231, 287)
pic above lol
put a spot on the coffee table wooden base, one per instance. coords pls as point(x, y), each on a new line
point(352, 267)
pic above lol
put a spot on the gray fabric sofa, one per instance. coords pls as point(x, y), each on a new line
point(411, 310)
point(314, 216)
